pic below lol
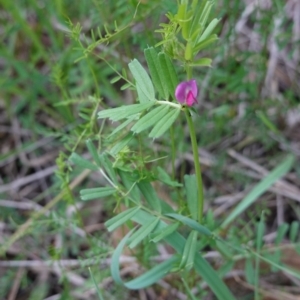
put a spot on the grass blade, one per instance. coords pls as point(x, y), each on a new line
point(260, 188)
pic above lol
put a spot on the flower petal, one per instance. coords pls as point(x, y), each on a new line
point(180, 92)
point(190, 99)
point(193, 86)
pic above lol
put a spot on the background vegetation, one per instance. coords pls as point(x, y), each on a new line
point(56, 74)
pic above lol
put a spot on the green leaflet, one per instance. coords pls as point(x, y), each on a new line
point(150, 195)
point(96, 193)
point(156, 72)
point(123, 125)
point(94, 152)
point(121, 218)
point(191, 223)
point(169, 73)
point(205, 43)
point(143, 232)
point(191, 195)
point(144, 84)
point(82, 162)
point(108, 167)
point(150, 118)
point(202, 62)
point(209, 29)
point(189, 251)
point(120, 145)
point(164, 124)
point(119, 113)
point(163, 232)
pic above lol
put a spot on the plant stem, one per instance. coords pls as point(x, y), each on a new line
point(197, 163)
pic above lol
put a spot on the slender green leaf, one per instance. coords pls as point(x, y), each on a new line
point(249, 271)
point(150, 195)
point(93, 151)
point(121, 144)
point(145, 280)
point(163, 232)
point(191, 223)
point(82, 162)
point(118, 113)
point(150, 118)
point(123, 125)
point(164, 177)
point(205, 43)
point(129, 181)
point(165, 123)
point(96, 285)
point(152, 276)
point(188, 255)
point(191, 195)
point(209, 29)
point(202, 62)
point(168, 73)
point(115, 265)
point(281, 232)
point(156, 72)
point(121, 218)
point(259, 189)
point(144, 84)
point(143, 232)
point(108, 167)
point(96, 193)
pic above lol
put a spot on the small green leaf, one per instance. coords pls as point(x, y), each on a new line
point(82, 162)
point(169, 74)
point(150, 118)
point(209, 29)
point(191, 223)
point(202, 62)
point(165, 123)
point(121, 218)
point(120, 145)
point(155, 72)
point(205, 43)
point(129, 181)
point(249, 271)
point(191, 195)
point(96, 193)
point(150, 195)
point(108, 167)
point(163, 232)
point(115, 79)
point(188, 255)
point(144, 84)
point(142, 232)
point(281, 232)
point(94, 152)
point(164, 177)
point(123, 125)
point(118, 113)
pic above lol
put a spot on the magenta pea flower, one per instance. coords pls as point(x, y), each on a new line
point(186, 92)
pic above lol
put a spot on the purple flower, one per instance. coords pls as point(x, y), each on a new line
point(186, 92)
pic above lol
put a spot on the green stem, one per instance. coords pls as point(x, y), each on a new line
point(197, 163)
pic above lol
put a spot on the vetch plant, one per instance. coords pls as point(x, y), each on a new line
point(130, 181)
